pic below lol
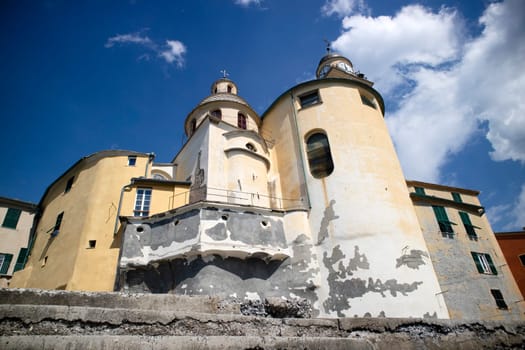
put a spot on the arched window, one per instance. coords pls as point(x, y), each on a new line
point(193, 125)
point(217, 113)
point(229, 89)
point(319, 155)
point(241, 121)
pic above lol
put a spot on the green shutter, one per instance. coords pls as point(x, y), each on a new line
point(491, 264)
point(420, 190)
point(11, 218)
point(442, 218)
point(59, 221)
point(5, 265)
point(468, 224)
point(457, 197)
point(465, 218)
point(476, 260)
point(440, 213)
point(21, 260)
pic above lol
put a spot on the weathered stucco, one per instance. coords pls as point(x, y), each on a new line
point(32, 319)
point(465, 290)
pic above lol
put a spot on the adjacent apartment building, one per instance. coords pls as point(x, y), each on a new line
point(474, 277)
point(513, 246)
point(17, 220)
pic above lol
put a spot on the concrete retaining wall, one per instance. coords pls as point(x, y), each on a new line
point(31, 319)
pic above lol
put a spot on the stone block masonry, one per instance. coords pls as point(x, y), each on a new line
point(34, 319)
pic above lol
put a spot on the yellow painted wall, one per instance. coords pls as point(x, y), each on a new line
point(285, 158)
point(90, 211)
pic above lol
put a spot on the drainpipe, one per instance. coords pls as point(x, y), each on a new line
point(151, 156)
point(124, 188)
point(301, 150)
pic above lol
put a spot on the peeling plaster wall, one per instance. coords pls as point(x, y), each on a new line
point(221, 251)
point(373, 259)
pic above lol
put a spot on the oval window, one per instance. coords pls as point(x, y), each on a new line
point(319, 155)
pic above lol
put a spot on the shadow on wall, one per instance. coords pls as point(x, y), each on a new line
point(222, 276)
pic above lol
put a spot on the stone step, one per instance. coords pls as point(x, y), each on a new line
point(182, 343)
point(32, 319)
point(110, 300)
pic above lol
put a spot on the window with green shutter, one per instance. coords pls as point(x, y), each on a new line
point(5, 261)
point(468, 225)
point(21, 260)
point(11, 218)
point(457, 197)
point(58, 223)
point(420, 190)
point(445, 225)
point(498, 298)
point(484, 263)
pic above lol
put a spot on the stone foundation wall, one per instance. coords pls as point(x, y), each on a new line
point(32, 319)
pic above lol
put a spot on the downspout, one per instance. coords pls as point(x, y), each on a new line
point(301, 150)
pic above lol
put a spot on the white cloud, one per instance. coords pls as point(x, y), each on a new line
point(174, 52)
point(444, 83)
point(342, 8)
point(492, 78)
point(246, 3)
point(385, 46)
point(518, 212)
point(510, 217)
point(133, 38)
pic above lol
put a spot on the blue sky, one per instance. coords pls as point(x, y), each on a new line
point(84, 76)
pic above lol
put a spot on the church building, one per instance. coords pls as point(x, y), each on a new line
point(305, 201)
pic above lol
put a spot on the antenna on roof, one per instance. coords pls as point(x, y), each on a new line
point(224, 73)
point(328, 47)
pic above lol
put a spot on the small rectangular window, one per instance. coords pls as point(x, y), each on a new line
point(484, 263)
point(457, 197)
point(445, 225)
point(309, 99)
point(368, 101)
point(132, 160)
point(11, 218)
point(498, 297)
point(142, 202)
point(69, 184)
point(92, 243)
point(21, 260)
point(5, 261)
point(522, 259)
point(58, 223)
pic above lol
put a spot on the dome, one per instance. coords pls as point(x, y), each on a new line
point(333, 60)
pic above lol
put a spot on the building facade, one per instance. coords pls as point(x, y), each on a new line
point(77, 237)
point(474, 277)
point(17, 220)
point(513, 246)
point(306, 201)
